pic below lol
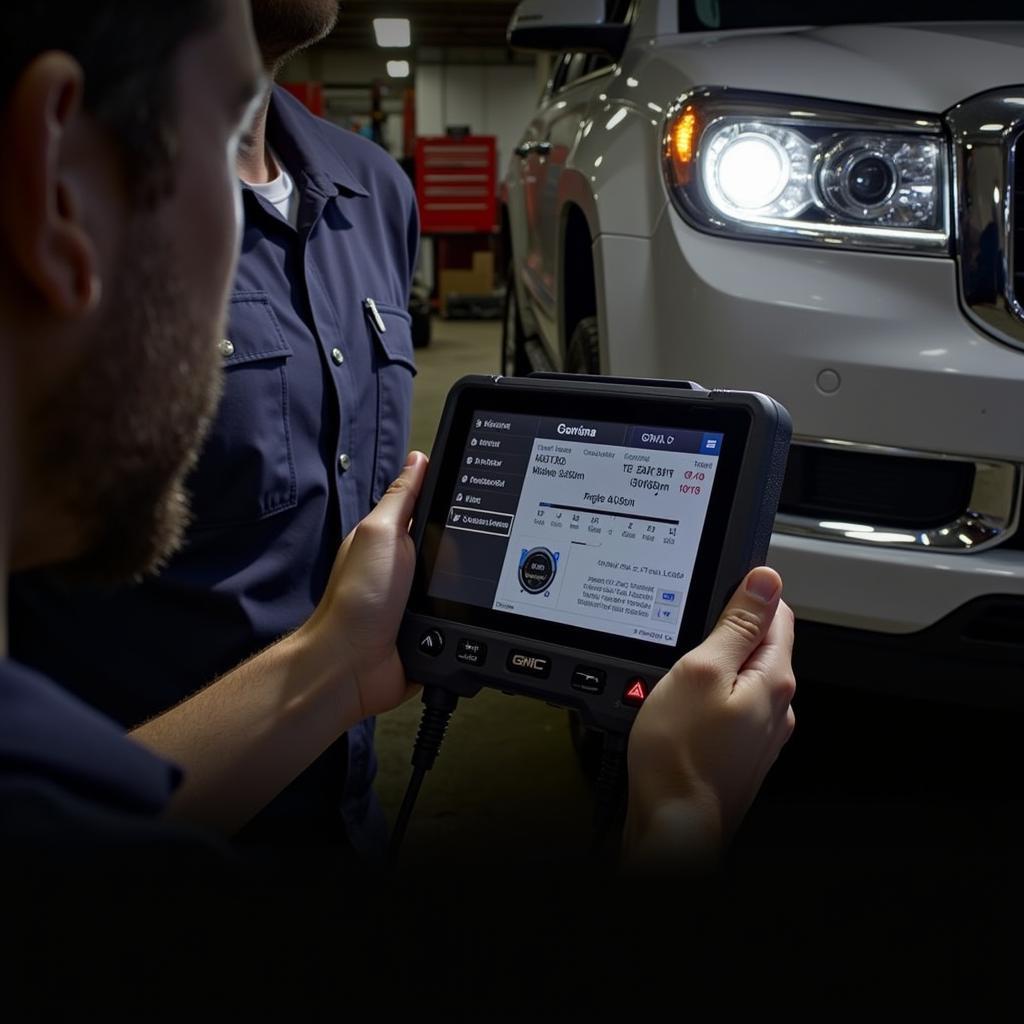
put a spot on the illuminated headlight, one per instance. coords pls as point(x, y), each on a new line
point(757, 169)
point(791, 170)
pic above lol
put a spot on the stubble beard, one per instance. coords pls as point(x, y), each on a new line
point(116, 455)
point(283, 27)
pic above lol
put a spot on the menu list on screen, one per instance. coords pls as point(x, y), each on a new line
point(587, 523)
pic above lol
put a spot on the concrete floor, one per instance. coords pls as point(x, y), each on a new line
point(884, 821)
point(507, 780)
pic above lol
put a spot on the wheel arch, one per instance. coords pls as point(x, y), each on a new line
point(577, 286)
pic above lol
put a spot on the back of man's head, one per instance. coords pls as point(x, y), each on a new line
point(118, 237)
point(126, 49)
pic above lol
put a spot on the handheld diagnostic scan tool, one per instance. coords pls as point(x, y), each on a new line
point(576, 535)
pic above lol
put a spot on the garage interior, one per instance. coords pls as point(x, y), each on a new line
point(883, 850)
point(865, 770)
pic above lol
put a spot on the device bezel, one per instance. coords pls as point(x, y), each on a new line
point(634, 406)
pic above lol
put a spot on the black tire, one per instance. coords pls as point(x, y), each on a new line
point(584, 352)
point(420, 329)
point(514, 360)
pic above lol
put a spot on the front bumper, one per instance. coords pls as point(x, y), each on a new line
point(913, 374)
point(888, 591)
point(973, 656)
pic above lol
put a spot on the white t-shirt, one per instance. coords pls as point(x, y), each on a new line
point(282, 194)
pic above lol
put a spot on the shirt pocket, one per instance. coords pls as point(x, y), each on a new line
point(246, 470)
point(395, 367)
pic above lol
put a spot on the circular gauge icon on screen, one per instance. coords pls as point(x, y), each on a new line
point(537, 568)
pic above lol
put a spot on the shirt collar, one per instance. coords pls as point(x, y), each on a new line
point(297, 136)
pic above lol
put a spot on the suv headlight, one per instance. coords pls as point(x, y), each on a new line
point(809, 172)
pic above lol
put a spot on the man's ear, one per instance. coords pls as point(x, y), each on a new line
point(47, 173)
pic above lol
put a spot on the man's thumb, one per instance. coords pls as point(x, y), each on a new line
point(745, 621)
point(399, 499)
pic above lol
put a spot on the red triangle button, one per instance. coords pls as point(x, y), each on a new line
point(636, 691)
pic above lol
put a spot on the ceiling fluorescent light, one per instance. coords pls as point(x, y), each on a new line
point(398, 68)
point(392, 31)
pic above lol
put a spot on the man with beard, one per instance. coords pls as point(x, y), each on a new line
point(312, 428)
point(120, 237)
point(121, 121)
point(119, 225)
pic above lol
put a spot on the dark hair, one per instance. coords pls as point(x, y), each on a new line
point(126, 49)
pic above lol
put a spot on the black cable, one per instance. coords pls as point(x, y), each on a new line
point(609, 796)
point(412, 791)
point(438, 706)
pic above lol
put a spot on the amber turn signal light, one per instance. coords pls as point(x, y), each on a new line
point(682, 144)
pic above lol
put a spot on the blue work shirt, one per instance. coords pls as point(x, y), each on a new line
point(70, 779)
point(312, 428)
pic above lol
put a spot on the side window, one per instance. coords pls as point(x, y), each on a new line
point(617, 12)
point(561, 67)
point(571, 66)
point(576, 67)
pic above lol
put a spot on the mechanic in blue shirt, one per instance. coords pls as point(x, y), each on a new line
point(119, 232)
point(117, 245)
point(313, 426)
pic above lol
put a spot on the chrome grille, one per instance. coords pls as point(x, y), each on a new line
point(1017, 223)
point(986, 133)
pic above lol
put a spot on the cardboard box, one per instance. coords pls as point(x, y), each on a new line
point(477, 281)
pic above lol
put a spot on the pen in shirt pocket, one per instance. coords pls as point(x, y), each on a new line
point(378, 321)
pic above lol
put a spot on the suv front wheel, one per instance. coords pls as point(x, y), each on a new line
point(584, 352)
point(514, 360)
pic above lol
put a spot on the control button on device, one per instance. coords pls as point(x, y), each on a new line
point(588, 680)
point(471, 652)
point(527, 664)
point(432, 642)
point(636, 691)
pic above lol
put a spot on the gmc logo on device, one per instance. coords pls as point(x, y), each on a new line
point(526, 661)
point(529, 664)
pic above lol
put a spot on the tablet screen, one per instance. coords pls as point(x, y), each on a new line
point(588, 523)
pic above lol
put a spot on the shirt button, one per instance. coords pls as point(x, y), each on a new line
point(337, 356)
point(344, 461)
point(226, 348)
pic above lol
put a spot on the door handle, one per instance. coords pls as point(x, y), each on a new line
point(524, 149)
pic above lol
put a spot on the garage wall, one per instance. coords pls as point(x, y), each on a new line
point(492, 99)
point(321, 64)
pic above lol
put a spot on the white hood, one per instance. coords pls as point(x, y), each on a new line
point(922, 68)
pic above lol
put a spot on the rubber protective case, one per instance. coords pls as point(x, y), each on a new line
point(745, 545)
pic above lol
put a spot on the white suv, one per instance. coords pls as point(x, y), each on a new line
point(826, 213)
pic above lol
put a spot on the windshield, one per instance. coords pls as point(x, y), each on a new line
point(702, 15)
